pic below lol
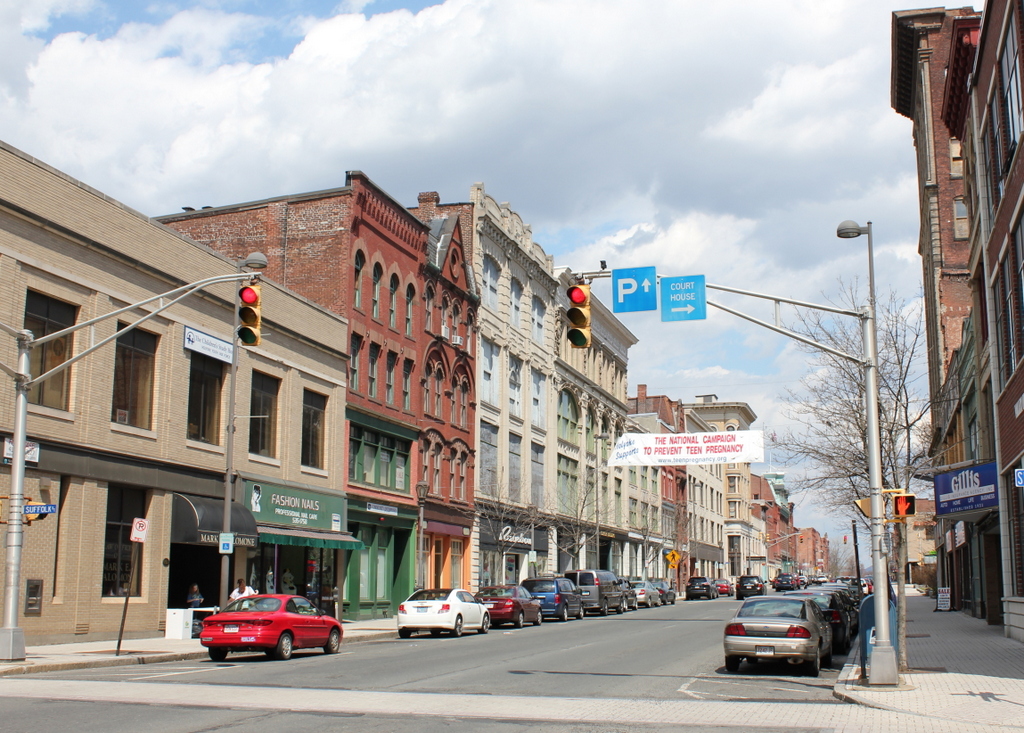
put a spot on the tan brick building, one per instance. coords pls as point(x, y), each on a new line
point(138, 428)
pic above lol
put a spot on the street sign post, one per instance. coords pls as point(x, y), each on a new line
point(683, 298)
point(635, 289)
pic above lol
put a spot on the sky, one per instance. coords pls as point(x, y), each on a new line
point(726, 139)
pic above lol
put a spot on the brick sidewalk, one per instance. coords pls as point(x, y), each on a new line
point(961, 669)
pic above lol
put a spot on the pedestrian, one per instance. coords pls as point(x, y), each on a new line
point(242, 590)
point(194, 598)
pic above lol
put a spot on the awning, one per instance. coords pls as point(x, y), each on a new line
point(198, 520)
point(308, 538)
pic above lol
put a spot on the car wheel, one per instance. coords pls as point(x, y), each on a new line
point(813, 666)
point(457, 629)
point(284, 648)
point(485, 625)
point(604, 607)
point(333, 642)
point(582, 612)
point(622, 606)
point(405, 633)
point(540, 618)
point(826, 661)
point(218, 655)
point(520, 620)
point(732, 664)
point(563, 615)
point(673, 600)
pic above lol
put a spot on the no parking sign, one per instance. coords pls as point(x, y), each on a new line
point(139, 528)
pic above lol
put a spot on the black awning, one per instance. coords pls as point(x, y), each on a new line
point(308, 538)
point(199, 520)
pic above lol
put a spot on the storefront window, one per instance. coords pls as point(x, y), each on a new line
point(456, 563)
point(123, 505)
point(382, 573)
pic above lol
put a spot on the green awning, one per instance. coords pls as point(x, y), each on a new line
point(307, 538)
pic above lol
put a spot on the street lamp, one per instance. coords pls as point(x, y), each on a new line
point(884, 670)
point(254, 261)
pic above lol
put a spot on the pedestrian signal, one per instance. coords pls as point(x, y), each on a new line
point(904, 505)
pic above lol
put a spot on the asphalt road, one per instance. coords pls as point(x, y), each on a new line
point(661, 655)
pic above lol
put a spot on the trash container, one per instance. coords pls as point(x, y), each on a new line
point(178, 624)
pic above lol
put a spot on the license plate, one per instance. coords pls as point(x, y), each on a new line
point(248, 638)
point(490, 605)
point(421, 609)
point(232, 629)
point(764, 650)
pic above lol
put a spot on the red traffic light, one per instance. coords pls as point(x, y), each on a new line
point(248, 295)
point(578, 294)
point(250, 314)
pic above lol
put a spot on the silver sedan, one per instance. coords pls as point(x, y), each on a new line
point(789, 628)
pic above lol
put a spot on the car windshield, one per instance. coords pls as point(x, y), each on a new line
point(431, 595)
point(772, 607)
point(638, 584)
point(821, 599)
point(748, 578)
point(695, 581)
point(539, 586)
point(253, 604)
point(496, 592)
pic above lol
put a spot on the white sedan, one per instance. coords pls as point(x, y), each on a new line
point(443, 609)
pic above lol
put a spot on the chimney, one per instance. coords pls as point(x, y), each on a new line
point(428, 202)
point(641, 394)
point(707, 399)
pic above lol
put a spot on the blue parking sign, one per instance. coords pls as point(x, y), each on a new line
point(635, 289)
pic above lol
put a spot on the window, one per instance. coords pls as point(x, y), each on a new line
point(438, 390)
point(537, 416)
point(371, 370)
point(356, 356)
point(537, 474)
point(205, 377)
point(314, 407)
point(456, 561)
point(378, 459)
point(263, 415)
point(566, 474)
point(410, 299)
point(428, 314)
point(461, 493)
point(489, 391)
point(632, 512)
point(568, 418)
point(134, 358)
point(1009, 68)
point(488, 481)
point(123, 506)
point(537, 313)
point(515, 386)
point(378, 275)
point(357, 290)
point(516, 295)
point(490, 283)
point(393, 302)
point(589, 421)
point(389, 378)
point(515, 466)
point(463, 404)
point(407, 384)
point(43, 316)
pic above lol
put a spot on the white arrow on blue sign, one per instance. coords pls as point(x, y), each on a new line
point(683, 298)
point(635, 289)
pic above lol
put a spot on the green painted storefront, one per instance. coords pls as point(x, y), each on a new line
point(383, 573)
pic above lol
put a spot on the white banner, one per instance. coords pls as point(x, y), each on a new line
point(680, 449)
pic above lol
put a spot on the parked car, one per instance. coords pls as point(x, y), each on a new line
point(723, 586)
point(836, 610)
point(646, 593)
point(442, 609)
point(749, 585)
point(819, 579)
point(779, 628)
point(559, 597)
point(628, 594)
point(273, 624)
point(700, 587)
point(786, 581)
point(600, 590)
point(511, 604)
point(668, 593)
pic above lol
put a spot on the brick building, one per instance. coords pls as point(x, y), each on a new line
point(139, 427)
point(407, 289)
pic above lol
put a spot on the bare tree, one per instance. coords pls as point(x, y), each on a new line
point(572, 514)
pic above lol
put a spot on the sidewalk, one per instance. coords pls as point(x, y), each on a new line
point(80, 655)
point(961, 669)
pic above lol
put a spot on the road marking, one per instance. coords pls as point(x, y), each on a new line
point(194, 670)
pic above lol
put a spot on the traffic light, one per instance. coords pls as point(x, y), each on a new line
point(801, 539)
point(579, 316)
point(844, 539)
point(904, 505)
point(249, 314)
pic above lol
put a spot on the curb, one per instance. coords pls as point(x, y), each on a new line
point(153, 658)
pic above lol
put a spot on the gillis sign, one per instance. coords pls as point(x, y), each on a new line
point(967, 489)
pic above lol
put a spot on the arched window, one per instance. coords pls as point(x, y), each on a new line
point(438, 390)
point(428, 316)
point(588, 430)
point(445, 327)
point(427, 399)
point(378, 275)
point(455, 401)
point(410, 298)
point(568, 418)
point(453, 460)
point(357, 290)
point(393, 302)
point(456, 314)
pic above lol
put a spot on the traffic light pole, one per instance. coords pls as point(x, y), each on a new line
point(12, 637)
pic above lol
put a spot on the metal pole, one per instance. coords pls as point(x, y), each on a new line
point(883, 670)
point(127, 594)
point(860, 591)
point(229, 454)
point(12, 637)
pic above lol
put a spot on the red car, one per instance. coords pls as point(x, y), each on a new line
point(510, 604)
point(273, 624)
point(724, 586)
